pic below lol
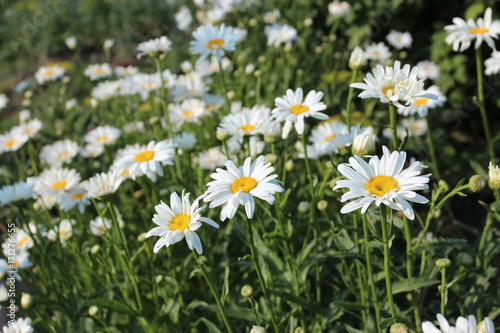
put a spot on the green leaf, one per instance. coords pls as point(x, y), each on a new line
point(211, 326)
point(412, 284)
point(351, 305)
point(225, 286)
point(387, 322)
point(111, 305)
point(351, 329)
point(287, 316)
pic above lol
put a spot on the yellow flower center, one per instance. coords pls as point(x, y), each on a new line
point(299, 108)
point(247, 128)
point(333, 136)
point(187, 114)
point(245, 184)
point(478, 30)
point(102, 229)
point(63, 155)
point(144, 156)
point(421, 101)
point(50, 72)
point(17, 263)
point(381, 185)
point(59, 185)
point(415, 126)
point(78, 196)
point(180, 222)
point(28, 130)
point(23, 241)
point(10, 143)
point(215, 43)
point(103, 138)
point(386, 90)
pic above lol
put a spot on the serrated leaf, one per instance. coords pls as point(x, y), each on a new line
point(211, 326)
point(387, 322)
point(111, 305)
point(412, 284)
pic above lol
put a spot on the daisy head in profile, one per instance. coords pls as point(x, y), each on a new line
point(178, 221)
point(212, 40)
point(293, 108)
point(157, 47)
point(382, 181)
point(239, 185)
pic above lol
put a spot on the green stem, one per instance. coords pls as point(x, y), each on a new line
point(443, 290)
point(308, 168)
point(361, 282)
point(482, 106)
point(164, 98)
point(409, 270)
point(215, 294)
point(255, 260)
point(387, 259)
point(349, 101)
point(430, 146)
point(482, 243)
point(392, 115)
point(224, 86)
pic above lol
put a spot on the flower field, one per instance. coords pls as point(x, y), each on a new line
point(247, 166)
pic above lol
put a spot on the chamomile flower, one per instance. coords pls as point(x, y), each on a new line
point(19, 191)
point(63, 231)
point(49, 73)
point(147, 159)
point(382, 181)
point(272, 16)
point(278, 34)
point(394, 85)
point(4, 100)
point(121, 71)
point(292, 108)
point(32, 127)
point(59, 152)
point(239, 185)
point(378, 52)
point(246, 122)
point(467, 325)
point(55, 181)
point(20, 325)
point(399, 40)
point(323, 133)
point(24, 242)
point(189, 111)
point(102, 184)
point(157, 47)
point(13, 139)
point(212, 40)
point(102, 135)
point(74, 197)
point(183, 18)
point(492, 64)
point(211, 159)
point(421, 105)
point(339, 8)
point(178, 221)
point(185, 140)
point(461, 33)
point(427, 70)
point(98, 71)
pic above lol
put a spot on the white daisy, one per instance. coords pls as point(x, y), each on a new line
point(339, 8)
point(190, 85)
point(462, 325)
point(492, 64)
point(185, 140)
point(421, 105)
point(32, 127)
point(378, 52)
point(147, 160)
point(64, 231)
point(278, 34)
point(13, 139)
point(20, 325)
point(70, 104)
point(99, 226)
point(399, 40)
point(394, 85)
point(272, 16)
point(105, 90)
point(322, 134)
point(157, 47)
point(4, 100)
point(246, 122)
point(183, 18)
point(22, 261)
point(18, 191)
point(49, 73)
point(74, 197)
point(382, 181)
point(24, 242)
point(462, 33)
point(98, 71)
point(91, 150)
point(213, 102)
point(239, 185)
point(211, 158)
point(121, 71)
point(189, 111)
point(179, 220)
point(292, 108)
point(102, 135)
point(55, 181)
point(59, 152)
point(24, 115)
point(211, 40)
point(427, 70)
point(102, 184)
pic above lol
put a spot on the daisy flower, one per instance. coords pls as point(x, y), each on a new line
point(13, 139)
point(179, 220)
point(102, 135)
point(272, 16)
point(239, 185)
point(64, 231)
point(24, 242)
point(278, 34)
point(155, 47)
point(185, 140)
point(292, 108)
point(22, 261)
point(121, 71)
point(339, 8)
point(74, 197)
point(21, 325)
point(105, 90)
point(427, 70)
point(147, 159)
point(183, 18)
point(382, 181)
point(378, 52)
point(323, 133)
point(189, 86)
point(492, 64)
point(213, 102)
point(211, 40)
point(4, 100)
point(32, 127)
point(399, 40)
point(59, 152)
point(394, 85)
point(246, 122)
point(98, 226)
point(19, 191)
point(189, 111)
point(98, 71)
point(462, 33)
point(102, 184)
point(54, 182)
point(211, 158)
point(467, 325)
point(421, 105)
point(49, 73)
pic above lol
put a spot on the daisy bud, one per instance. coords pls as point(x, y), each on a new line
point(141, 237)
point(476, 183)
point(153, 120)
point(28, 94)
point(318, 49)
point(257, 73)
point(270, 138)
point(93, 310)
point(494, 175)
point(289, 165)
point(299, 330)
point(271, 158)
point(357, 59)
point(70, 42)
point(308, 22)
point(252, 22)
point(364, 144)
point(399, 328)
point(158, 278)
point(303, 206)
point(258, 329)
point(26, 300)
point(443, 185)
point(230, 94)
point(261, 58)
point(94, 249)
point(26, 102)
point(246, 291)
point(250, 68)
point(221, 135)
point(443, 263)
point(322, 205)
point(251, 93)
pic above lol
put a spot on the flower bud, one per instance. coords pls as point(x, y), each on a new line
point(94, 249)
point(443, 263)
point(93, 310)
point(443, 185)
point(299, 330)
point(357, 58)
point(158, 278)
point(364, 144)
point(271, 158)
point(303, 206)
point(246, 291)
point(289, 165)
point(26, 300)
point(476, 183)
point(258, 329)
point(141, 237)
point(308, 22)
point(322, 205)
point(399, 328)
point(494, 175)
point(221, 135)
